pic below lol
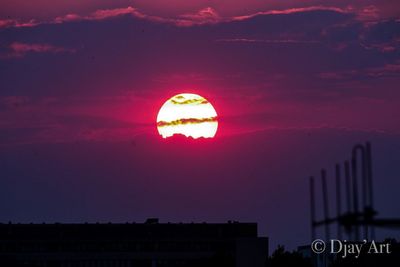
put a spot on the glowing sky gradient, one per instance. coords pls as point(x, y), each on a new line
point(295, 85)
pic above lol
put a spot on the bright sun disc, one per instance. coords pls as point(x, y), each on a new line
point(187, 114)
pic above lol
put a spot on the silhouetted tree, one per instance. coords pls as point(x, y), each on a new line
point(282, 258)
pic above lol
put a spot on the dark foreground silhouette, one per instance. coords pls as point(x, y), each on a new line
point(282, 258)
point(149, 244)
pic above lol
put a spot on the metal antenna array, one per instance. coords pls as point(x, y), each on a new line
point(356, 217)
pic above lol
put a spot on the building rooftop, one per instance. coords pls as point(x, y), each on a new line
point(150, 229)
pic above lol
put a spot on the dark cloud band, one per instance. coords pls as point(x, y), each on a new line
point(190, 101)
point(185, 121)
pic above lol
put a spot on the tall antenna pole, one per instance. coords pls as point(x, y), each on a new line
point(370, 189)
point(365, 197)
point(338, 201)
point(348, 189)
point(326, 206)
point(355, 197)
point(363, 166)
point(312, 205)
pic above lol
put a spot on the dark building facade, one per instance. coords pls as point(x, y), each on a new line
point(149, 244)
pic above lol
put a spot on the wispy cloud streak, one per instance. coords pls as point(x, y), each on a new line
point(268, 41)
point(18, 49)
point(207, 15)
point(295, 10)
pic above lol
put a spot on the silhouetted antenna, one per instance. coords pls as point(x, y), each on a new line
point(353, 218)
point(348, 184)
point(326, 205)
point(355, 195)
point(370, 191)
point(312, 205)
point(338, 200)
point(348, 193)
point(369, 174)
point(364, 183)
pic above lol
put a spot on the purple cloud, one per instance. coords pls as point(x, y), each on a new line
point(203, 16)
point(18, 49)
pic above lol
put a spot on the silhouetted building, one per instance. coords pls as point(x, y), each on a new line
point(147, 244)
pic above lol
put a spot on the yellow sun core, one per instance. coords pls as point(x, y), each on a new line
point(190, 115)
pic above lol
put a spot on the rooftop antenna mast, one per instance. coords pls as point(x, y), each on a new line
point(356, 217)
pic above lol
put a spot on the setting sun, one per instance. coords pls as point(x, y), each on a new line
point(188, 114)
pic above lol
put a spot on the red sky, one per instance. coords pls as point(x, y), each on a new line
point(47, 9)
point(295, 83)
